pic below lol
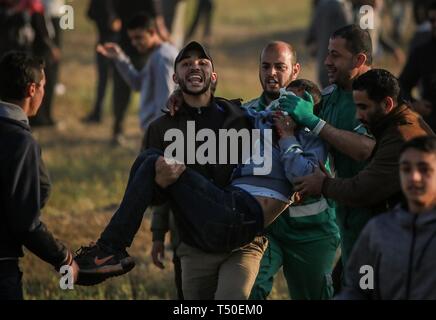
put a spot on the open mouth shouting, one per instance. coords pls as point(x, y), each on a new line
point(195, 79)
point(272, 84)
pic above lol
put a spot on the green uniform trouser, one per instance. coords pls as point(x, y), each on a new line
point(306, 249)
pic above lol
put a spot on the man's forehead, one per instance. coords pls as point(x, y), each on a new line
point(360, 94)
point(338, 44)
point(276, 55)
point(194, 54)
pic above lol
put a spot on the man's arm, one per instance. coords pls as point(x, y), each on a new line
point(301, 160)
point(44, 182)
point(354, 145)
point(381, 174)
point(160, 222)
point(23, 213)
point(357, 146)
point(133, 77)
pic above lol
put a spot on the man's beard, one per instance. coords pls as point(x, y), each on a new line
point(272, 95)
point(374, 120)
point(206, 86)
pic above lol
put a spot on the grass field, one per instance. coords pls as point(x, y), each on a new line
point(89, 176)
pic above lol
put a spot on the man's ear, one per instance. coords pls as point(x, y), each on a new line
point(31, 90)
point(176, 81)
point(214, 77)
point(360, 60)
point(296, 71)
point(389, 104)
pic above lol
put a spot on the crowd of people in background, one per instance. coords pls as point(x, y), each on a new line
point(378, 131)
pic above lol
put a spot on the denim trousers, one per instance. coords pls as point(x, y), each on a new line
point(222, 218)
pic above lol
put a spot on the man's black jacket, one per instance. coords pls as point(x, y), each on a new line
point(220, 114)
point(24, 189)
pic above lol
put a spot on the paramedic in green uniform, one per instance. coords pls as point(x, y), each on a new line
point(349, 56)
point(303, 241)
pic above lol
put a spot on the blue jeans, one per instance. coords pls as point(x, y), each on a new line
point(222, 219)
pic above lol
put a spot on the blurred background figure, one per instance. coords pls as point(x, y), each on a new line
point(173, 12)
point(423, 25)
point(102, 13)
point(123, 12)
point(24, 27)
point(52, 17)
point(168, 12)
point(16, 31)
point(53, 14)
point(401, 12)
point(204, 12)
point(420, 72)
point(328, 16)
point(381, 40)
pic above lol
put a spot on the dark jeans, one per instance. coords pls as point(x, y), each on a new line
point(223, 219)
point(104, 69)
point(10, 281)
point(121, 90)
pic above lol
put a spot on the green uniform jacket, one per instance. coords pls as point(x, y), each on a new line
point(301, 229)
point(338, 109)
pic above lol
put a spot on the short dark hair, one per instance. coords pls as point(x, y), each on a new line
point(378, 84)
point(424, 143)
point(308, 86)
point(141, 20)
point(17, 71)
point(357, 40)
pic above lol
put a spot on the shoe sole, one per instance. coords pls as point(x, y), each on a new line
point(123, 267)
point(96, 276)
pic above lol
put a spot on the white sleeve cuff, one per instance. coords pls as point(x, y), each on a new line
point(319, 127)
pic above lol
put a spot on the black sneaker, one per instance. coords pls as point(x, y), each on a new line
point(97, 263)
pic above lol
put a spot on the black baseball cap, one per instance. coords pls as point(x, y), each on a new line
point(193, 46)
